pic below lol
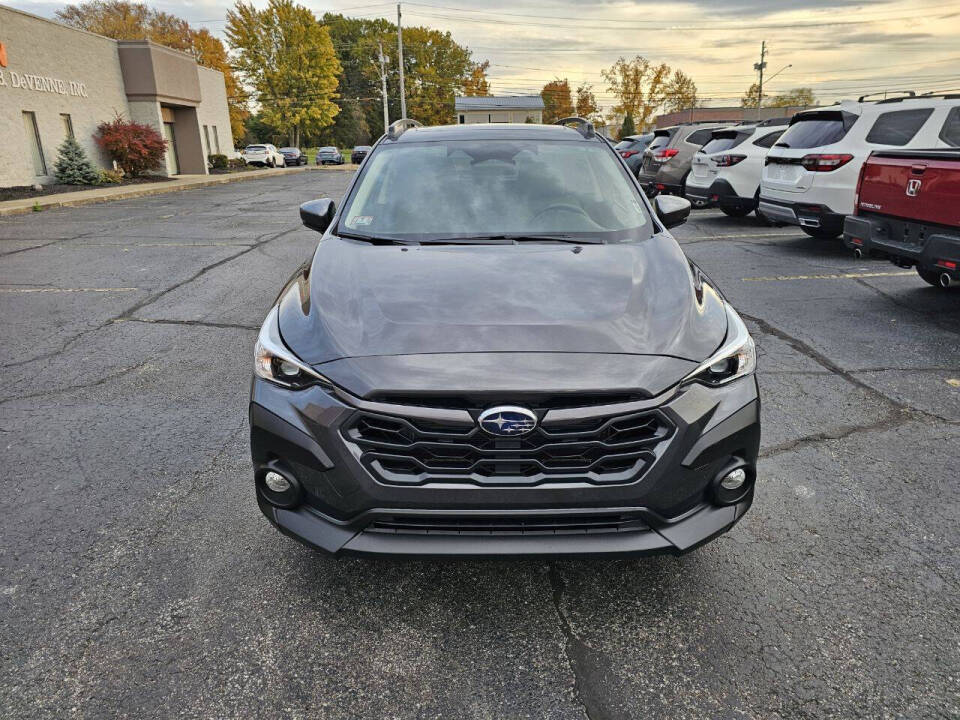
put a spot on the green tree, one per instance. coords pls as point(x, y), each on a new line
point(798, 97)
point(628, 128)
point(801, 96)
point(73, 167)
point(639, 86)
point(680, 93)
point(357, 42)
point(286, 56)
point(476, 83)
point(587, 106)
point(557, 100)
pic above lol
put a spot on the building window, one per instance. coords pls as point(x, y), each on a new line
point(67, 125)
point(216, 139)
point(33, 137)
point(206, 136)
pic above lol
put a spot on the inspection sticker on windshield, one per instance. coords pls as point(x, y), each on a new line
point(361, 220)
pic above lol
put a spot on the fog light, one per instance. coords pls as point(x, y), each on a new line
point(734, 479)
point(278, 483)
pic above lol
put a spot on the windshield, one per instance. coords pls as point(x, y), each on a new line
point(813, 132)
point(255, 148)
point(724, 141)
point(435, 191)
point(658, 143)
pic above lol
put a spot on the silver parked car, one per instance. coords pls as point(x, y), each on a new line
point(666, 161)
point(329, 155)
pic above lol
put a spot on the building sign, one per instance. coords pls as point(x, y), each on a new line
point(39, 83)
point(42, 83)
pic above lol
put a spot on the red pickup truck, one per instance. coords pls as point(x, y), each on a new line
point(907, 209)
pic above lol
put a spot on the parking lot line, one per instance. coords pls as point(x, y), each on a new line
point(829, 276)
point(65, 290)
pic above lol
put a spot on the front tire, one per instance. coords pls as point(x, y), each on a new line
point(820, 233)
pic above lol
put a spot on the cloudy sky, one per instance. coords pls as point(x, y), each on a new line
point(841, 48)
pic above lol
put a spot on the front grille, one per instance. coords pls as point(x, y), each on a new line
point(508, 525)
point(601, 450)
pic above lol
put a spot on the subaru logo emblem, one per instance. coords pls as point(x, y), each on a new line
point(507, 421)
point(913, 187)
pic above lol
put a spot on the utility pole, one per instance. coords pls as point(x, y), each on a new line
point(758, 66)
point(403, 95)
point(383, 90)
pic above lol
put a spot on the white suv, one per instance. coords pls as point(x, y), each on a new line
point(811, 172)
point(726, 171)
point(265, 154)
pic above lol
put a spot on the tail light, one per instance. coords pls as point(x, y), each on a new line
point(824, 163)
point(856, 193)
point(628, 153)
point(728, 160)
point(665, 155)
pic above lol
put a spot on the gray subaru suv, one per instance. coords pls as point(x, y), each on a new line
point(666, 161)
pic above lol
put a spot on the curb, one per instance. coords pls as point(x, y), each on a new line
point(91, 197)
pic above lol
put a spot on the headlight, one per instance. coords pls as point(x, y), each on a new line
point(735, 358)
point(273, 361)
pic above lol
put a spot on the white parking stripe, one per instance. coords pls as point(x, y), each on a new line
point(837, 276)
point(65, 290)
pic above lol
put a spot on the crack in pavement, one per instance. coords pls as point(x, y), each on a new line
point(190, 323)
point(128, 313)
point(574, 651)
point(84, 386)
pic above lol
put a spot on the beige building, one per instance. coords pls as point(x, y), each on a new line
point(56, 80)
point(492, 109)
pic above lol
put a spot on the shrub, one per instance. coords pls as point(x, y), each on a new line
point(110, 177)
point(218, 162)
point(236, 163)
point(134, 146)
point(73, 167)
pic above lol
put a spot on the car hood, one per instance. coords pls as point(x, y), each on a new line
point(361, 300)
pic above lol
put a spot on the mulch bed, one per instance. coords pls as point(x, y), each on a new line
point(26, 191)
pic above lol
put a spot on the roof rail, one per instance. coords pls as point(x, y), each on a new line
point(774, 121)
point(905, 93)
point(583, 126)
point(945, 94)
point(399, 127)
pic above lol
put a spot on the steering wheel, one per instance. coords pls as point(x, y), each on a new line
point(568, 207)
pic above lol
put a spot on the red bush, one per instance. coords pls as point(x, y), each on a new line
point(135, 147)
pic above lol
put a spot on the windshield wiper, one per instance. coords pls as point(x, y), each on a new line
point(376, 240)
point(507, 239)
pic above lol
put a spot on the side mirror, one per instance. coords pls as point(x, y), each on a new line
point(318, 214)
point(671, 210)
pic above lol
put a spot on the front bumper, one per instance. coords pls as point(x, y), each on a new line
point(905, 243)
point(721, 194)
point(669, 507)
point(805, 214)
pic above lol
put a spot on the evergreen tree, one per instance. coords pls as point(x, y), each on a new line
point(628, 128)
point(73, 167)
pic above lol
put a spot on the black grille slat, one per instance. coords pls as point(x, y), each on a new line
point(508, 525)
point(599, 450)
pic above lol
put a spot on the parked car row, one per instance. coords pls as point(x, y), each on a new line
point(885, 174)
point(810, 174)
point(267, 155)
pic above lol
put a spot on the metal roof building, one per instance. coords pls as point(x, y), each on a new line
point(502, 109)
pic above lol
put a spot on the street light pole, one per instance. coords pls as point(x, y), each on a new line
point(403, 95)
point(383, 90)
point(759, 66)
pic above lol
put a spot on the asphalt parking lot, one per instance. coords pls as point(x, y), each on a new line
point(140, 580)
